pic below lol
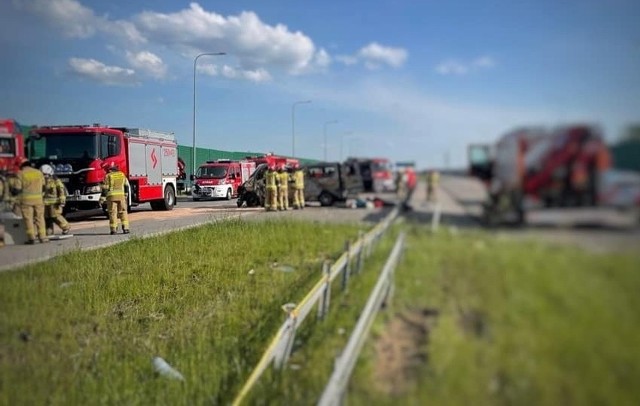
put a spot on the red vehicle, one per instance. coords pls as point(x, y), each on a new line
point(275, 160)
point(558, 169)
point(12, 150)
point(377, 174)
point(78, 153)
point(220, 179)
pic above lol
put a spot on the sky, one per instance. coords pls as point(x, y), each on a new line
point(405, 79)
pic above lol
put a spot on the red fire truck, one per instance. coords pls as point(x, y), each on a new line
point(79, 152)
point(11, 146)
point(220, 178)
point(532, 167)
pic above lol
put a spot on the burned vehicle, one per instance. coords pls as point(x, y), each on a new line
point(324, 182)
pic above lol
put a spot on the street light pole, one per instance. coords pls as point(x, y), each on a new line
point(293, 125)
point(325, 136)
point(195, 61)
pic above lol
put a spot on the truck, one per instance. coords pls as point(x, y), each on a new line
point(220, 178)
point(79, 154)
point(533, 167)
point(12, 143)
point(324, 182)
point(376, 173)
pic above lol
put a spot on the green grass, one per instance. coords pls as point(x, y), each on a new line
point(548, 325)
point(84, 327)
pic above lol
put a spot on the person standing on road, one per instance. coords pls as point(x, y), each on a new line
point(55, 196)
point(433, 177)
point(283, 189)
point(298, 186)
point(270, 201)
point(113, 191)
point(31, 185)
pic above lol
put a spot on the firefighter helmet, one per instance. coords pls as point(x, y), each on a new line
point(110, 166)
point(47, 170)
point(24, 162)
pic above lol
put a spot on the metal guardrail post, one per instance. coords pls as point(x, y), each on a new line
point(284, 351)
point(359, 259)
point(346, 272)
point(435, 217)
point(323, 305)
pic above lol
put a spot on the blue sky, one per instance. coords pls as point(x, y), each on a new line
point(406, 79)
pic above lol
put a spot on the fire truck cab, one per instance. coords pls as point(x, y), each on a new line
point(11, 146)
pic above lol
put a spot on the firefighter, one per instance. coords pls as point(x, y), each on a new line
point(12, 194)
point(31, 185)
point(113, 191)
point(298, 186)
point(271, 180)
point(283, 188)
point(433, 177)
point(55, 195)
point(401, 184)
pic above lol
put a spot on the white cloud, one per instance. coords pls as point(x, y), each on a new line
point(455, 67)
point(452, 68)
point(375, 54)
point(99, 72)
point(322, 58)
point(255, 47)
point(347, 59)
point(149, 63)
point(245, 37)
point(78, 21)
point(74, 19)
point(229, 72)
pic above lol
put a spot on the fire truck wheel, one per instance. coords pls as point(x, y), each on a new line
point(168, 202)
point(228, 196)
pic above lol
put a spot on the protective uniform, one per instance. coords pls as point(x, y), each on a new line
point(432, 185)
point(283, 189)
point(113, 190)
point(31, 184)
point(270, 201)
point(298, 185)
point(55, 196)
point(12, 195)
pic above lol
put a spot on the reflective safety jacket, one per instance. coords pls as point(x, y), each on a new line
point(114, 184)
point(31, 184)
point(298, 179)
point(284, 180)
point(54, 191)
point(270, 179)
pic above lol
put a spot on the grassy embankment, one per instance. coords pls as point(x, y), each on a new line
point(84, 327)
point(481, 320)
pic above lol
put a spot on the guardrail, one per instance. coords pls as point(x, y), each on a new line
point(279, 347)
point(334, 390)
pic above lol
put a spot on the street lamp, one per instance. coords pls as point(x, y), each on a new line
point(325, 136)
point(293, 125)
point(342, 143)
point(195, 61)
